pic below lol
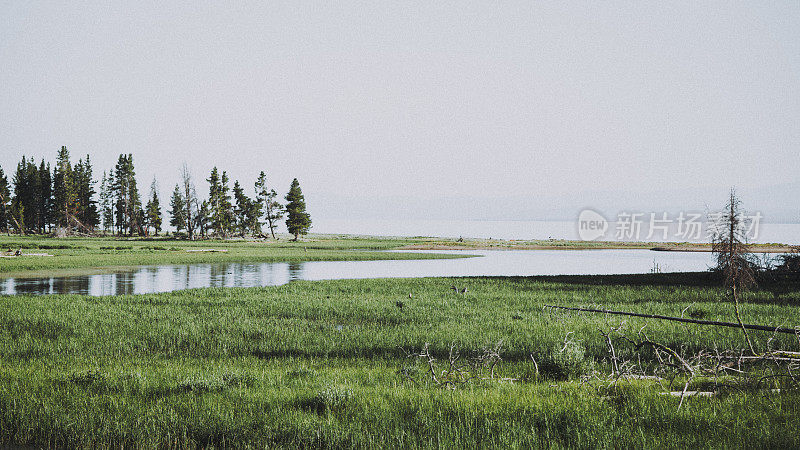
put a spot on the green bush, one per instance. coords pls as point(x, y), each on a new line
point(564, 362)
point(329, 397)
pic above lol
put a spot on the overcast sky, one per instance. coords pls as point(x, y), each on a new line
point(411, 99)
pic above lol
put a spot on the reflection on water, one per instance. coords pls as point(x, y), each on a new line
point(296, 271)
point(149, 279)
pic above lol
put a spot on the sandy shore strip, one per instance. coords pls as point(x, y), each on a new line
point(589, 245)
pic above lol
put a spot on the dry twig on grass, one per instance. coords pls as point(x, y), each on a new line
point(456, 370)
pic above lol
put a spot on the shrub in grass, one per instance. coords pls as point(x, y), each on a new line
point(88, 378)
point(698, 313)
point(328, 398)
point(200, 384)
point(300, 373)
point(564, 362)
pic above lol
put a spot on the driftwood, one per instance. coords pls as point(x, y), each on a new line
point(456, 370)
point(18, 253)
point(690, 394)
point(681, 319)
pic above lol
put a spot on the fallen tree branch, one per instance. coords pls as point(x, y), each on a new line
point(667, 350)
point(681, 319)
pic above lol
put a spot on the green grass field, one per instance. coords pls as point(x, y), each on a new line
point(325, 364)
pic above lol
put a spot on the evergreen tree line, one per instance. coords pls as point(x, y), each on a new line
point(63, 200)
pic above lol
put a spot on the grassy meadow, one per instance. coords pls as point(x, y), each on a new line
point(331, 363)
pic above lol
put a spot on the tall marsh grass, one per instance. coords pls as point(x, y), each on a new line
point(319, 364)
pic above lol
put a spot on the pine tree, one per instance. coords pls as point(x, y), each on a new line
point(219, 199)
point(106, 201)
point(45, 196)
point(119, 195)
point(142, 221)
point(32, 203)
point(18, 217)
point(227, 206)
point(20, 183)
point(203, 218)
point(178, 209)
point(214, 200)
point(241, 209)
point(154, 208)
point(5, 205)
point(127, 203)
point(247, 211)
point(27, 187)
point(298, 221)
point(24, 202)
point(86, 206)
point(272, 210)
point(63, 190)
point(253, 217)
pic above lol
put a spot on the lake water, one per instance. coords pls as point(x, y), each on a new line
point(786, 233)
point(164, 278)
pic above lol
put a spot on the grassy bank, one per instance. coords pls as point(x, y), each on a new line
point(326, 364)
point(564, 244)
point(46, 254)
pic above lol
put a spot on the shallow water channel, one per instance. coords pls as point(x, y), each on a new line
point(164, 278)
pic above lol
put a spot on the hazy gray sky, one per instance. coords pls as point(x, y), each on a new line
point(411, 98)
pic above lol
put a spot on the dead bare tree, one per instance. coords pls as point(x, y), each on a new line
point(733, 257)
point(190, 200)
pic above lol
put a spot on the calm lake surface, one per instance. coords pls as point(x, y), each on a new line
point(164, 278)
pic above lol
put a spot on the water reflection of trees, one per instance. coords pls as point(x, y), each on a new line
point(295, 271)
point(38, 286)
point(159, 279)
point(64, 285)
point(180, 272)
point(151, 273)
point(216, 274)
point(124, 283)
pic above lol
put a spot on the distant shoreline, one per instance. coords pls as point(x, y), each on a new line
point(470, 244)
